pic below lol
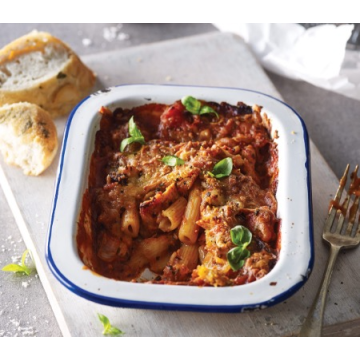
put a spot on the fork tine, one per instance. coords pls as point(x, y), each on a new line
point(354, 208)
point(353, 211)
point(335, 203)
point(357, 234)
point(313, 322)
point(342, 183)
point(343, 213)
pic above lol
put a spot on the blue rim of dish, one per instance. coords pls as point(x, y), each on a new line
point(117, 302)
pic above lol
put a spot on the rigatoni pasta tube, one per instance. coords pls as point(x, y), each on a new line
point(130, 221)
point(172, 216)
point(170, 194)
point(157, 251)
point(189, 230)
point(156, 246)
point(189, 255)
point(157, 265)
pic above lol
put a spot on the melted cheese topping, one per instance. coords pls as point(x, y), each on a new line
point(130, 193)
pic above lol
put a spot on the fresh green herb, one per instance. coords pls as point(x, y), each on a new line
point(17, 268)
point(194, 106)
point(222, 169)
point(191, 104)
point(109, 330)
point(135, 135)
point(241, 237)
point(207, 110)
point(172, 160)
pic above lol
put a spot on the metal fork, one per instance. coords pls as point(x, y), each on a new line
point(346, 235)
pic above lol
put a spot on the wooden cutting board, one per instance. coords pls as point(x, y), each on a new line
point(217, 59)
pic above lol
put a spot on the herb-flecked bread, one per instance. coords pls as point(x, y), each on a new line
point(41, 69)
point(28, 137)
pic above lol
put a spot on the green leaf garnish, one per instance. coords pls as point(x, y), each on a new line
point(109, 330)
point(133, 129)
point(222, 169)
point(236, 258)
point(194, 106)
point(17, 268)
point(172, 160)
point(241, 237)
point(135, 135)
point(191, 104)
point(207, 110)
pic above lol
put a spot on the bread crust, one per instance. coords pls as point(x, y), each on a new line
point(28, 137)
point(57, 92)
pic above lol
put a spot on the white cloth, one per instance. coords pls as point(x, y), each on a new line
point(315, 55)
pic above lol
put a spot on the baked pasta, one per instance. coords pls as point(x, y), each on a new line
point(186, 190)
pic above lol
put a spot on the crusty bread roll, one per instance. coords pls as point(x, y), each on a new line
point(40, 69)
point(28, 137)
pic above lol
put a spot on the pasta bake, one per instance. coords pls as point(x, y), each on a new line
point(186, 190)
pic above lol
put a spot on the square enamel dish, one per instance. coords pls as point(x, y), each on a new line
point(293, 195)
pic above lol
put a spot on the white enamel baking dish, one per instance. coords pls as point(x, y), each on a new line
point(293, 195)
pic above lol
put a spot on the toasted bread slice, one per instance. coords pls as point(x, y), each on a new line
point(28, 137)
point(40, 69)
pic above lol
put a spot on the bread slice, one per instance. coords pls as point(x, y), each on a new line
point(40, 69)
point(28, 137)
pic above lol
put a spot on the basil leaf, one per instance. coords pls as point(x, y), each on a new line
point(191, 104)
point(236, 234)
point(133, 129)
point(135, 135)
point(247, 237)
point(17, 269)
point(208, 110)
point(172, 160)
point(236, 258)
point(113, 331)
point(104, 320)
point(222, 169)
point(234, 254)
point(23, 257)
point(240, 235)
point(245, 254)
point(108, 328)
point(129, 141)
point(194, 106)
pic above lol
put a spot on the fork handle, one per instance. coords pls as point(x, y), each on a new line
point(313, 323)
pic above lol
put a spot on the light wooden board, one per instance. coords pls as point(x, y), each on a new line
point(216, 59)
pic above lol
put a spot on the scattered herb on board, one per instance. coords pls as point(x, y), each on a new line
point(222, 169)
point(135, 135)
point(19, 268)
point(109, 330)
point(172, 160)
point(194, 106)
point(241, 237)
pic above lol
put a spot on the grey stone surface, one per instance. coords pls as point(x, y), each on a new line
point(105, 37)
point(332, 121)
point(24, 307)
